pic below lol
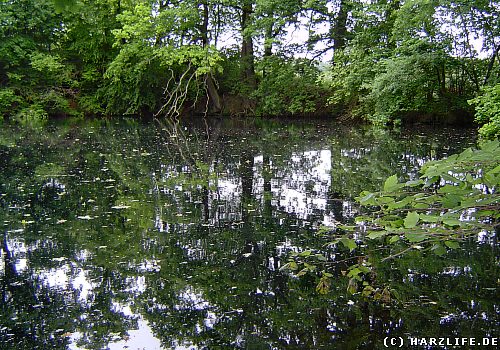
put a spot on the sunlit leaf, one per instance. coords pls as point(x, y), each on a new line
point(391, 183)
point(452, 244)
point(411, 219)
point(416, 237)
point(377, 234)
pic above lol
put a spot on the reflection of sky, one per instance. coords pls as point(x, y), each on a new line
point(304, 183)
point(300, 187)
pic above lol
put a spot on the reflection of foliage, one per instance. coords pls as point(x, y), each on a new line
point(454, 199)
point(117, 205)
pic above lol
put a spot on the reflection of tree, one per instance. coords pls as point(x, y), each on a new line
point(142, 230)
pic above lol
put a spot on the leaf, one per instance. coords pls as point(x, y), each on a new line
point(393, 239)
point(452, 244)
point(438, 249)
point(416, 237)
point(305, 253)
point(320, 257)
point(292, 266)
point(420, 206)
point(411, 219)
point(349, 243)
point(354, 272)
point(391, 183)
point(377, 234)
point(451, 201)
point(452, 222)
point(429, 218)
point(352, 286)
point(367, 199)
point(302, 272)
point(323, 286)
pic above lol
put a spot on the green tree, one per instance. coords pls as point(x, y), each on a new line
point(487, 107)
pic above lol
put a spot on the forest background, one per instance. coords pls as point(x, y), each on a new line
point(388, 60)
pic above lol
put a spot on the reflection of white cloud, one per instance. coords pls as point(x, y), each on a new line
point(17, 249)
point(136, 284)
point(21, 265)
point(303, 184)
point(81, 283)
point(56, 277)
point(2, 263)
point(68, 276)
point(228, 196)
point(190, 299)
point(140, 338)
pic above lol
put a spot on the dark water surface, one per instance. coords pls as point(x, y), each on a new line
point(123, 235)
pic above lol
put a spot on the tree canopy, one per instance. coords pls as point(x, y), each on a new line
point(382, 60)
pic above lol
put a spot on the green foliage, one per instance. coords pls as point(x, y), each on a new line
point(403, 61)
point(392, 59)
point(33, 116)
point(487, 107)
point(288, 87)
point(452, 201)
point(454, 198)
point(407, 84)
point(8, 101)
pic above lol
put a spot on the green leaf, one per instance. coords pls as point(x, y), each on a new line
point(411, 219)
point(416, 237)
point(367, 199)
point(438, 249)
point(429, 218)
point(323, 286)
point(451, 201)
point(452, 222)
point(393, 239)
point(384, 200)
point(349, 243)
point(292, 266)
point(391, 183)
point(352, 286)
point(302, 272)
point(377, 234)
point(320, 257)
point(452, 244)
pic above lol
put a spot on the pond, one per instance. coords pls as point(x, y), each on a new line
point(162, 236)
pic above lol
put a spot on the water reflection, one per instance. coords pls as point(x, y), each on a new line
point(124, 235)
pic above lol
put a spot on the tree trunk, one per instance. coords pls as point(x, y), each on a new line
point(247, 54)
point(490, 64)
point(340, 28)
point(213, 94)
